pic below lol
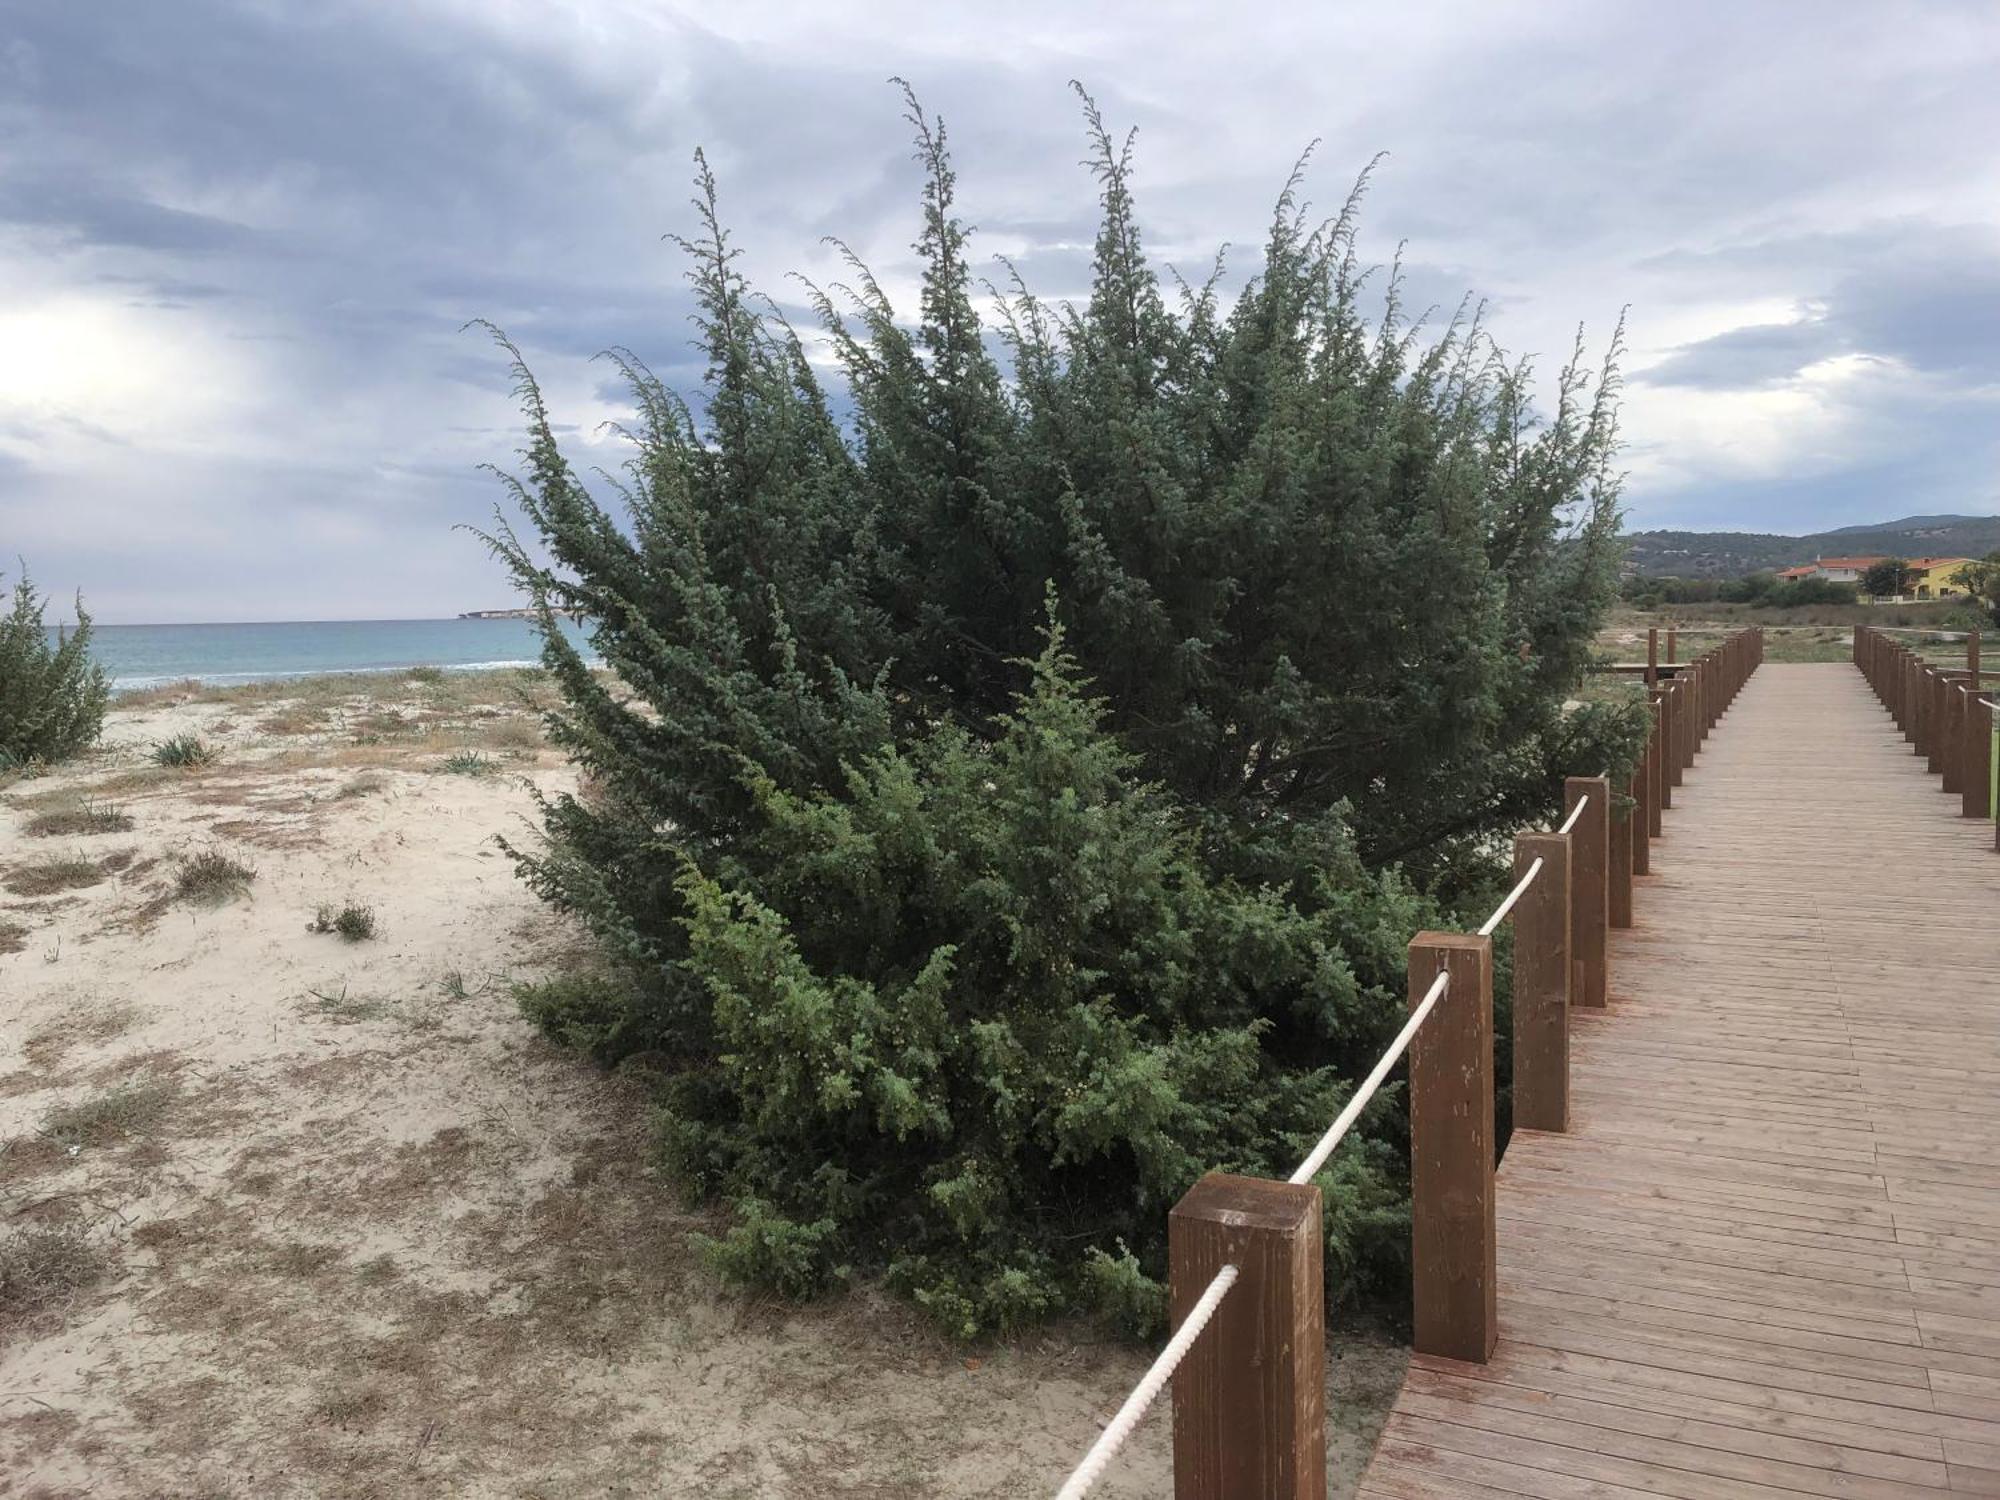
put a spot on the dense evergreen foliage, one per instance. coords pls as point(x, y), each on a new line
point(1890, 578)
point(52, 694)
point(1029, 760)
point(1982, 582)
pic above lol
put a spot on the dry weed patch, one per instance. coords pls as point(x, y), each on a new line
point(43, 1269)
point(118, 1114)
point(81, 820)
point(44, 877)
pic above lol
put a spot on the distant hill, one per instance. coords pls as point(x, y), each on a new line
point(1728, 554)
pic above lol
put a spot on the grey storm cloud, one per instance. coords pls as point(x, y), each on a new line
point(1925, 296)
point(239, 240)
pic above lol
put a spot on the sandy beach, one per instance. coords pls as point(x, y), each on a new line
point(288, 1214)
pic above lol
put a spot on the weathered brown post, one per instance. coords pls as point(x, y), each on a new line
point(1676, 732)
point(1640, 789)
point(1667, 745)
point(1673, 639)
point(1951, 735)
point(1972, 657)
point(1656, 769)
point(1976, 751)
point(1913, 706)
point(1452, 1219)
point(1968, 751)
point(1590, 904)
point(1652, 655)
point(1541, 984)
point(1250, 1398)
point(1934, 725)
point(1619, 855)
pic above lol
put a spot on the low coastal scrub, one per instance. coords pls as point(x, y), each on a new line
point(45, 877)
point(1027, 777)
point(350, 922)
point(115, 1115)
point(468, 763)
point(83, 819)
point(52, 695)
point(211, 878)
point(42, 1269)
point(184, 752)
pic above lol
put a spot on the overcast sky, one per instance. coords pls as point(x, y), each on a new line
point(238, 240)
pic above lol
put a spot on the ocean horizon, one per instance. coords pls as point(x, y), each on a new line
point(141, 656)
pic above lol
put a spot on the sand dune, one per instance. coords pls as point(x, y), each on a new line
point(292, 1215)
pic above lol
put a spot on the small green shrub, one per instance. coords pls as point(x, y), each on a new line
point(83, 819)
point(351, 922)
point(210, 878)
point(429, 676)
point(597, 1014)
point(468, 763)
point(184, 752)
point(52, 695)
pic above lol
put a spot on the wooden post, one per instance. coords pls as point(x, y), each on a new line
point(1453, 1228)
point(1590, 904)
point(1676, 706)
point(1641, 791)
point(1973, 752)
point(1619, 854)
point(1250, 1398)
point(1673, 639)
point(1652, 655)
point(1656, 770)
point(1972, 659)
point(1934, 725)
point(1951, 735)
point(1541, 984)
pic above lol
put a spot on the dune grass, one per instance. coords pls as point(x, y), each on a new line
point(185, 752)
point(351, 922)
point(211, 878)
point(45, 877)
point(84, 819)
point(114, 1115)
point(42, 1268)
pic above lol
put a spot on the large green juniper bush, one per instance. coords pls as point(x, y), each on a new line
point(1028, 761)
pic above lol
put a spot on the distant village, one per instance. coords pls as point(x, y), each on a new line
point(1924, 577)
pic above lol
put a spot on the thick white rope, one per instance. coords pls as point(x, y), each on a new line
point(1575, 813)
point(1372, 1082)
point(1120, 1427)
point(1520, 889)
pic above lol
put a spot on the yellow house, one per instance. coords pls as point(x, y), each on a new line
point(1937, 577)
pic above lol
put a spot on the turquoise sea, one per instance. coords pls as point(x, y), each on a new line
point(146, 655)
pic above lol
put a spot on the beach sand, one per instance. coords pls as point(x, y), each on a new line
point(283, 1214)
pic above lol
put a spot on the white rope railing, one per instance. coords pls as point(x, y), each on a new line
point(1121, 1427)
point(1520, 889)
point(1147, 1391)
point(1575, 813)
point(1344, 1122)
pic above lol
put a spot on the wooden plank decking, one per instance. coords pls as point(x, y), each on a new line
point(1765, 1261)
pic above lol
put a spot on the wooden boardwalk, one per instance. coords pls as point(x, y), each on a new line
point(1765, 1260)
